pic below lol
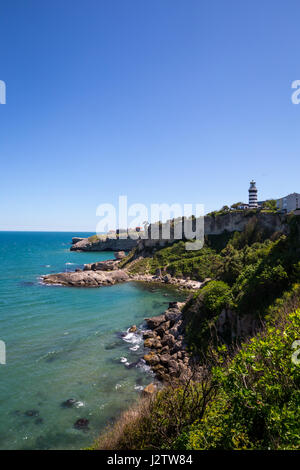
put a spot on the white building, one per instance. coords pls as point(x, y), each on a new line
point(289, 203)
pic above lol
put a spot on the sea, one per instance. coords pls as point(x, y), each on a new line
point(65, 343)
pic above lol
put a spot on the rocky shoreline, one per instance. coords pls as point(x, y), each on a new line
point(166, 349)
point(105, 273)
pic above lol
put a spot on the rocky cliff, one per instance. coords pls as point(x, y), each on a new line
point(215, 225)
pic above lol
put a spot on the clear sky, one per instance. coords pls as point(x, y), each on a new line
point(165, 101)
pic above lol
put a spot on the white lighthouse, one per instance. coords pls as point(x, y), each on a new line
point(252, 194)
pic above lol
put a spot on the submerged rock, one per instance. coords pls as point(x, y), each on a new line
point(31, 413)
point(68, 403)
point(81, 424)
point(39, 421)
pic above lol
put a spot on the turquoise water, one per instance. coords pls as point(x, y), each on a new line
point(65, 343)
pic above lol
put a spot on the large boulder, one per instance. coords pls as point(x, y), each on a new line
point(120, 254)
point(151, 359)
point(154, 322)
point(168, 340)
point(149, 390)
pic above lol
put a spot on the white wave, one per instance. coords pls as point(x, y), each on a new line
point(69, 264)
point(135, 348)
point(133, 338)
point(123, 359)
point(79, 404)
point(138, 387)
point(142, 364)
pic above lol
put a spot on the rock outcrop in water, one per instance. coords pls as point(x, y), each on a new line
point(87, 278)
point(104, 244)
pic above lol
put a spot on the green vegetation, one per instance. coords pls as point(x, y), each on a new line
point(93, 239)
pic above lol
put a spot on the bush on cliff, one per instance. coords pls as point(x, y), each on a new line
point(202, 312)
point(258, 403)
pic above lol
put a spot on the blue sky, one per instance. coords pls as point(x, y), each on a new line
point(165, 101)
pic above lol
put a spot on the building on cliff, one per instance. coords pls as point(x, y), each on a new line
point(289, 203)
point(252, 195)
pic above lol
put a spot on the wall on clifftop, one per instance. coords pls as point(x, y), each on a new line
point(216, 225)
point(237, 221)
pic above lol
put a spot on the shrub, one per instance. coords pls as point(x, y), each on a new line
point(259, 397)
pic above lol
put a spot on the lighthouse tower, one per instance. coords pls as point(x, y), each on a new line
point(252, 194)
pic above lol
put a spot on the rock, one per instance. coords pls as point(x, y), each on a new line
point(172, 364)
point(162, 329)
point(165, 358)
point(149, 334)
point(148, 343)
point(165, 350)
point(158, 367)
point(105, 244)
point(87, 267)
point(32, 413)
point(87, 278)
point(173, 372)
point(167, 278)
point(38, 421)
point(133, 329)
point(107, 265)
point(174, 305)
point(173, 315)
point(68, 403)
point(152, 343)
point(149, 390)
point(154, 322)
point(120, 254)
point(76, 240)
point(168, 340)
point(78, 270)
point(151, 359)
point(177, 346)
point(175, 329)
point(81, 424)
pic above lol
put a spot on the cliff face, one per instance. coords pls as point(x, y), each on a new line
point(237, 221)
point(230, 222)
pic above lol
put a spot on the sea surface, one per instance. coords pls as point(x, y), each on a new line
point(64, 342)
